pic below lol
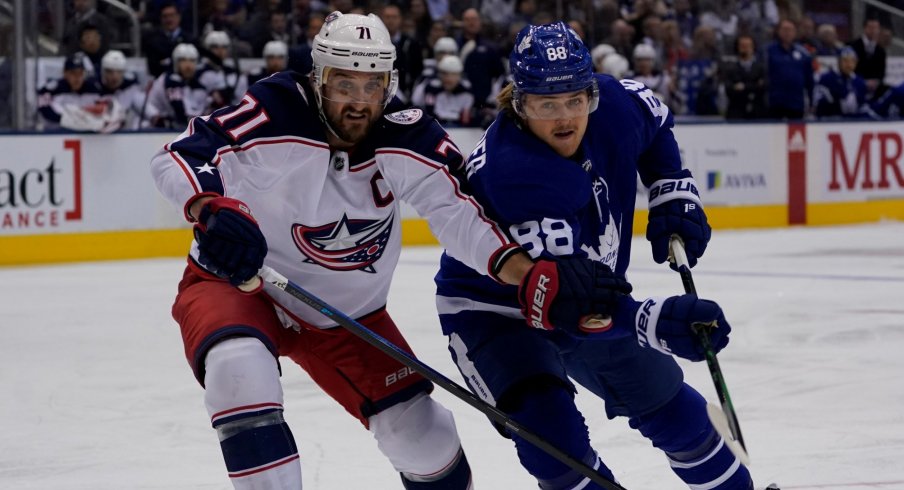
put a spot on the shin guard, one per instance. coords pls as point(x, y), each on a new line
point(696, 452)
point(244, 399)
point(548, 409)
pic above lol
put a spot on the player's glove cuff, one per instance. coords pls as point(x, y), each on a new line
point(646, 319)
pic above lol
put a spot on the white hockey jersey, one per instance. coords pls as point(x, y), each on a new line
point(331, 219)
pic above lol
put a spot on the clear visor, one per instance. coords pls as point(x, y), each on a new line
point(559, 106)
point(361, 88)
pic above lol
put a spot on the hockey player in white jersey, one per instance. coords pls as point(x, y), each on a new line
point(177, 96)
point(322, 162)
point(121, 93)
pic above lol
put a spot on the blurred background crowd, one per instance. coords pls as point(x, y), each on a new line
point(111, 65)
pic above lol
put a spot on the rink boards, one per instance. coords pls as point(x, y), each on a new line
point(91, 197)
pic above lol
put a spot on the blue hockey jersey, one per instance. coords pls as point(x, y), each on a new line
point(555, 206)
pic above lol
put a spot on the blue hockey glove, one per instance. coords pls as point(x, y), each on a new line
point(230, 243)
point(675, 208)
point(559, 293)
point(670, 325)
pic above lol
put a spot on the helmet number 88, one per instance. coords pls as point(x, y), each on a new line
point(559, 53)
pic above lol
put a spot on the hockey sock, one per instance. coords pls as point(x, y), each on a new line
point(548, 409)
point(696, 452)
point(244, 399)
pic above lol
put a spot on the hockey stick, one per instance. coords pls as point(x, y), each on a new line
point(272, 277)
point(725, 421)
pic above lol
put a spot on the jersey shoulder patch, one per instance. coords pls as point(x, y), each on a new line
point(406, 117)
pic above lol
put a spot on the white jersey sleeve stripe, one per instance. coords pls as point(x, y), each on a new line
point(455, 186)
point(196, 186)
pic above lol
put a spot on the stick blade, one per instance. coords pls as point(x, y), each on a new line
point(720, 422)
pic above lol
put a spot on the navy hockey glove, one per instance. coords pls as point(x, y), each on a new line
point(230, 243)
point(670, 325)
point(558, 293)
point(675, 208)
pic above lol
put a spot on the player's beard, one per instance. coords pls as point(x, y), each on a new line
point(352, 124)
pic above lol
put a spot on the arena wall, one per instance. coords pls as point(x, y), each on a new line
point(72, 197)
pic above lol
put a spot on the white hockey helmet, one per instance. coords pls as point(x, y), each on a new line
point(450, 64)
point(216, 39)
point(445, 45)
point(616, 65)
point(113, 60)
point(276, 48)
point(185, 51)
point(598, 53)
point(644, 52)
point(354, 42)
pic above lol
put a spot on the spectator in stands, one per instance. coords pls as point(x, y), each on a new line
point(745, 82)
point(841, 92)
point(622, 38)
point(652, 35)
point(300, 16)
point(70, 102)
point(219, 74)
point(276, 59)
point(159, 43)
point(277, 29)
point(870, 57)
point(482, 60)
point(806, 34)
point(525, 11)
point(85, 12)
point(438, 29)
point(758, 19)
point(646, 73)
point(91, 47)
point(417, 19)
point(120, 92)
point(790, 72)
point(224, 15)
point(499, 12)
point(698, 85)
point(673, 47)
point(409, 56)
point(178, 96)
point(827, 43)
point(447, 97)
point(721, 18)
point(686, 16)
point(635, 13)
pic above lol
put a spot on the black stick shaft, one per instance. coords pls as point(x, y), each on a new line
point(436, 377)
point(712, 362)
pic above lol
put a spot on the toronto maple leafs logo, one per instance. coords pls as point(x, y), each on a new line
point(524, 44)
point(345, 245)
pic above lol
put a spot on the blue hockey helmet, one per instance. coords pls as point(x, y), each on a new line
point(551, 59)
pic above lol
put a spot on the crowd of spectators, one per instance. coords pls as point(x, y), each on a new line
point(738, 59)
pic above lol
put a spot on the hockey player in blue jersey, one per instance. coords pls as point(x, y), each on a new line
point(558, 170)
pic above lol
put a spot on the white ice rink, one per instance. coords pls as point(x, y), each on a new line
point(95, 392)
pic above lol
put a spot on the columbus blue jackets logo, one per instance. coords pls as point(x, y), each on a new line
point(407, 116)
point(345, 245)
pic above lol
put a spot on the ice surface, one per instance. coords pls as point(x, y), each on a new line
point(95, 392)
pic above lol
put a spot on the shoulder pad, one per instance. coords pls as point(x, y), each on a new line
point(405, 117)
point(51, 85)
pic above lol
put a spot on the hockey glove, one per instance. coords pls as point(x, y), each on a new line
point(670, 325)
point(230, 243)
point(558, 293)
point(675, 208)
